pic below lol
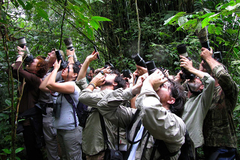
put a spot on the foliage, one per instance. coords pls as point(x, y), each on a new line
point(112, 26)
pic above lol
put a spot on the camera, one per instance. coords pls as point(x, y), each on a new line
point(95, 49)
point(182, 50)
point(217, 56)
point(138, 60)
point(64, 64)
point(108, 64)
point(69, 45)
point(151, 67)
point(203, 38)
point(126, 73)
point(28, 58)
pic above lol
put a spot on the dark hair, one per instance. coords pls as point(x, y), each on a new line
point(121, 83)
point(177, 92)
point(76, 68)
point(91, 68)
point(42, 67)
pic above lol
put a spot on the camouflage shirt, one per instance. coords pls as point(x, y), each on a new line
point(219, 129)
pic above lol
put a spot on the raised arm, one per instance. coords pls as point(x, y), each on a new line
point(88, 60)
point(65, 87)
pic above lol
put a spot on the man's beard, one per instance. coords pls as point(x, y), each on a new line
point(193, 87)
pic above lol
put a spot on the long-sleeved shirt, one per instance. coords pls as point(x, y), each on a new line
point(196, 108)
point(219, 128)
point(31, 89)
point(93, 141)
point(159, 122)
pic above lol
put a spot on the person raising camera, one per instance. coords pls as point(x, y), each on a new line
point(30, 79)
point(69, 132)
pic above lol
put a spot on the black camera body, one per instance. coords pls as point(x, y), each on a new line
point(108, 64)
point(182, 50)
point(139, 60)
point(64, 63)
point(28, 58)
point(126, 73)
point(95, 49)
point(217, 56)
point(151, 67)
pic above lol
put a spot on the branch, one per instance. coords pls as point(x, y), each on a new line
point(64, 13)
point(74, 27)
point(139, 28)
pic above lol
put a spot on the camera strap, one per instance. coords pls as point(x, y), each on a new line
point(70, 100)
point(106, 141)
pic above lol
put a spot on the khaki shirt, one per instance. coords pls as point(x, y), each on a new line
point(160, 123)
point(93, 141)
point(195, 110)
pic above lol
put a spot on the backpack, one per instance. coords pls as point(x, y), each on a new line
point(81, 110)
point(187, 150)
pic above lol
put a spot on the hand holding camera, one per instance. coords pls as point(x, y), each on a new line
point(98, 80)
point(156, 79)
point(63, 63)
point(21, 51)
point(205, 54)
point(57, 64)
point(137, 87)
point(185, 63)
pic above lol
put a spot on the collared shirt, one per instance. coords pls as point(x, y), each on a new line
point(195, 110)
point(219, 129)
point(93, 141)
point(161, 123)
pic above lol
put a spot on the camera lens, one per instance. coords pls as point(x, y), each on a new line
point(22, 42)
point(151, 67)
point(182, 50)
point(138, 60)
point(68, 43)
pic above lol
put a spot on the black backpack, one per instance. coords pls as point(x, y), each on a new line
point(187, 150)
point(81, 110)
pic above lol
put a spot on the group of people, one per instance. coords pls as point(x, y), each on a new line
point(144, 117)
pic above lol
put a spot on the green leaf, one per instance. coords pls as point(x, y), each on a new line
point(207, 15)
point(182, 20)
point(29, 6)
point(191, 24)
point(220, 40)
point(5, 150)
point(235, 62)
point(237, 108)
point(205, 22)
point(98, 18)
point(230, 8)
point(8, 102)
point(19, 150)
point(174, 18)
point(22, 4)
point(81, 2)
point(94, 24)
point(42, 13)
